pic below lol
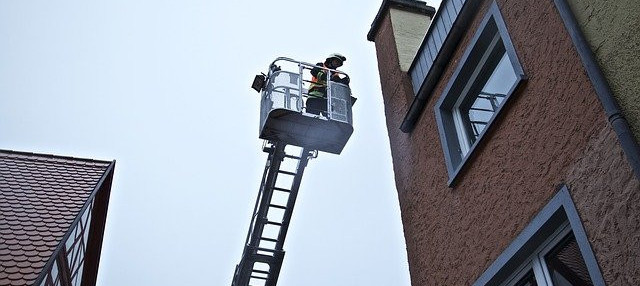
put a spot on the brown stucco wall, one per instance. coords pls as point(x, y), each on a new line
point(552, 131)
point(607, 197)
point(611, 28)
point(396, 85)
point(397, 94)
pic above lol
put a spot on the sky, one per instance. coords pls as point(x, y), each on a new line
point(163, 88)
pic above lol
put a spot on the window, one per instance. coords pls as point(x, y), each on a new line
point(67, 268)
point(557, 262)
point(487, 75)
point(552, 250)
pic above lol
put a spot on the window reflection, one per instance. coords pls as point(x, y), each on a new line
point(74, 252)
point(478, 110)
point(566, 265)
point(558, 262)
point(77, 250)
point(528, 280)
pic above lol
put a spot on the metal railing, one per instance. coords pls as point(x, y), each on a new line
point(287, 87)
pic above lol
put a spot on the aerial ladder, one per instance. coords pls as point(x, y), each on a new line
point(286, 121)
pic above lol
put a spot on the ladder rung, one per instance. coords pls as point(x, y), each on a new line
point(281, 189)
point(274, 223)
point(258, 277)
point(266, 249)
point(287, 173)
point(292, 157)
point(260, 271)
point(278, 206)
point(269, 239)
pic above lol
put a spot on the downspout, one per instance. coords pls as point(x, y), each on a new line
point(612, 109)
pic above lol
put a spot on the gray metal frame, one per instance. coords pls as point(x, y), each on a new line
point(444, 119)
point(263, 250)
point(558, 211)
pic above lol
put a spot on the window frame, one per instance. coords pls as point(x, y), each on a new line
point(521, 273)
point(536, 261)
point(453, 94)
point(76, 244)
point(557, 217)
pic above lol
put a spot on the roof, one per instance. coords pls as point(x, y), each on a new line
point(434, 54)
point(40, 197)
point(409, 5)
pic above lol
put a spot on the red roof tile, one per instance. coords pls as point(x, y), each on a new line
point(40, 196)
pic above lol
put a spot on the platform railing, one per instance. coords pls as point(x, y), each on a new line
point(287, 86)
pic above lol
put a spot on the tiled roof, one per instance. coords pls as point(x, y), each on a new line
point(40, 196)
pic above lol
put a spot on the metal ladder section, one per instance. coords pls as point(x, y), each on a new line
point(263, 254)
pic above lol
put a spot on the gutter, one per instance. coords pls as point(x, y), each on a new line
point(612, 109)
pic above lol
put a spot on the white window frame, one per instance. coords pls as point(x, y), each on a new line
point(536, 262)
point(463, 138)
point(520, 273)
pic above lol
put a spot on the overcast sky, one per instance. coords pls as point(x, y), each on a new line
point(163, 88)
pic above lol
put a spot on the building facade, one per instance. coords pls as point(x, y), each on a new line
point(513, 162)
point(610, 29)
point(52, 217)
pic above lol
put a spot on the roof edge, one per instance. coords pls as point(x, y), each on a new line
point(51, 156)
point(408, 5)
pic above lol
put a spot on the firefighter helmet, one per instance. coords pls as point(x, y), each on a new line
point(337, 56)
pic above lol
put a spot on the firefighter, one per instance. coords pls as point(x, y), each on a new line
point(317, 101)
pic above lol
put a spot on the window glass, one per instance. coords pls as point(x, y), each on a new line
point(477, 110)
point(528, 280)
point(77, 280)
point(557, 262)
point(502, 78)
point(54, 271)
point(566, 265)
point(76, 246)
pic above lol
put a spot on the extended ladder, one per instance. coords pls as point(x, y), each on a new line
point(263, 254)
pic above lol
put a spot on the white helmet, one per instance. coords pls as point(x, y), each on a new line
point(337, 56)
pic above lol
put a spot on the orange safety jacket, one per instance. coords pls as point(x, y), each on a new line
point(318, 86)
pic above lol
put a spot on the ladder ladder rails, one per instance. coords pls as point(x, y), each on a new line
point(263, 251)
